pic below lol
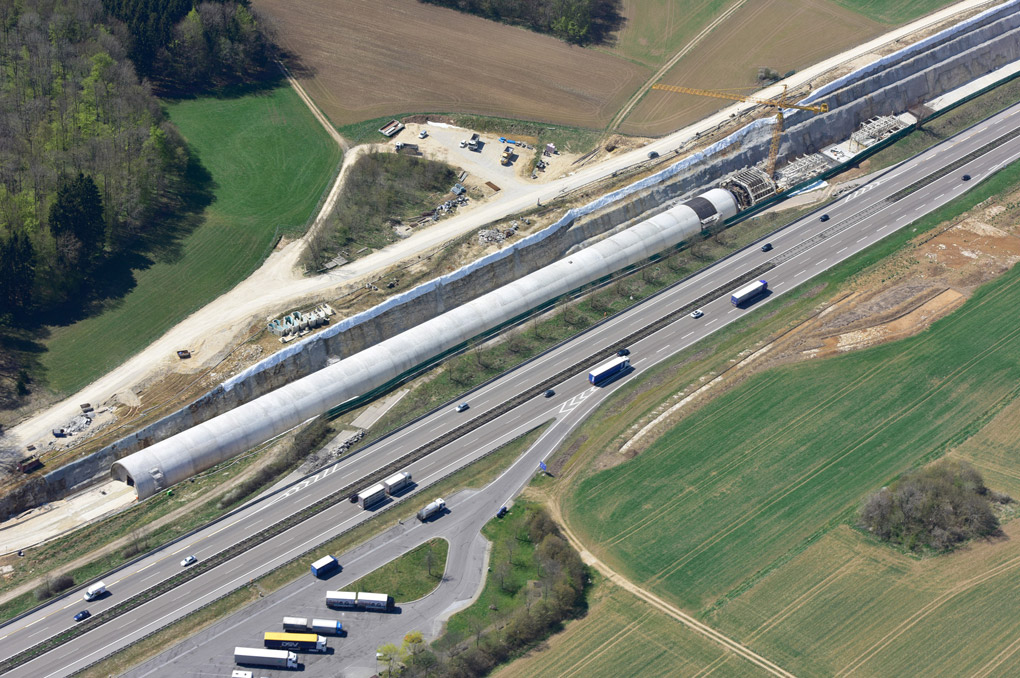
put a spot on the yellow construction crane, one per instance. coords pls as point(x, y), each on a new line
point(779, 104)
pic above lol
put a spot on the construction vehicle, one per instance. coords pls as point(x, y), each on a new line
point(778, 103)
point(507, 154)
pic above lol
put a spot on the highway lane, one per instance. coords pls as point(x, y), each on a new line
point(788, 274)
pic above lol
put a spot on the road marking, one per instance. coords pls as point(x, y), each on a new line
point(687, 335)
point(864, 238)
point(663, 348)
point(711, 321)
point(842, 250)
point(939, 196)
point(734, 310)
point(820, 262)
point(799, 274)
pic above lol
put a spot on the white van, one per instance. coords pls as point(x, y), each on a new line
point(94, 591)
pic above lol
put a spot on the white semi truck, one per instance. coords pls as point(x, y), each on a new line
point(748, 292)
point(259, 656)
point(397, 482)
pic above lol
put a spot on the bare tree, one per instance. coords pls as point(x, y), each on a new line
point(430, 559)
point(510, 544)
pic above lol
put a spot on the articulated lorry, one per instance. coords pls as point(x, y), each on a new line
point(372, 496)
point(257, 656)
point(431, 509)
point(301, 642)
point(608, 370)
point(748, 292)
point(297, 624)
point(350, 599)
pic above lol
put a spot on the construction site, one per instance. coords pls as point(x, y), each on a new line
point(350, 348)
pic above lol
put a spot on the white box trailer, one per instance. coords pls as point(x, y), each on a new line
point(372, 496)
point(260, 656)
point(373, 601)
point(397, 482)
point(341, 599)
point(748, 292)
point(330, 626)
point(295, 624)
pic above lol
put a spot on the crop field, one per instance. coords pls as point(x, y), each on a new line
point(847, 606)
point(362, 60)
point(656, 29)
point(622, 636)
point(781, 34)
point(761, 473)
point(893, 11)
point(269, 162)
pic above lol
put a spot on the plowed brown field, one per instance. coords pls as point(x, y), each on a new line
point(779, 34)
point(364, 59)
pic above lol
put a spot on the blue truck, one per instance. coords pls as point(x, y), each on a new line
point(609, 370)
point(324, 566)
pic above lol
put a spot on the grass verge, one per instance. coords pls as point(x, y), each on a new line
point(269, 161)
point(412, 576)
point(476, 475)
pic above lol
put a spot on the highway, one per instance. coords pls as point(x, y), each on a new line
point(801, 250)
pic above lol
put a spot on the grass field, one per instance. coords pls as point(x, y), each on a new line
point(893, 11)
point(622, 631)
point(656, 29)
point(408, 577)
point(269, 162)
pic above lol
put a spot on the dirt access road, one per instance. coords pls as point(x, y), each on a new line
point(279, 283)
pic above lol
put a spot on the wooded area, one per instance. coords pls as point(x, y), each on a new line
point(94, 180)
point(933, 508)
point(577, 21)
point(381, 186)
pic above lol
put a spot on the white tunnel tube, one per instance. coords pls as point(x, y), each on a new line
point(207, 444)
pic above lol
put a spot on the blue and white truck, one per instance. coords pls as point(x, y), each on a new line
point(325, 566)
point(748, 292)
point(608, 370)
point(328, 626)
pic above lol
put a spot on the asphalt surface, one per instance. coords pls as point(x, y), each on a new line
point(801, 250)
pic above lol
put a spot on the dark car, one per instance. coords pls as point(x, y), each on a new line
point(767, 247)
point(652, 155)
point(502, 512)
point(353, 498)
point(550, 393)
point(825, 217)
point(83, 615)
point(462, 407)
point(623, 352)
point(966, 177)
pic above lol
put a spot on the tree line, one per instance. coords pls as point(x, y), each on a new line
point(577, 21)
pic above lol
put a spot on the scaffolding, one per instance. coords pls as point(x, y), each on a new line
point(873, 131)
point(802, 169)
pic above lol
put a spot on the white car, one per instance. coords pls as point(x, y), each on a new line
point(190, 560)
point(697, 314)
point(422, 134)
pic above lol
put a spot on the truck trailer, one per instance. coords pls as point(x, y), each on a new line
point(325, 566)
point(372, 496)
point(258, 656)
point(431, 509)
point(298, 624)
point(608, 370)
point(748, 292)
point(330, 626)
point(341, 599)
point(397, 482)
point(300, 642)
point(373, 601)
